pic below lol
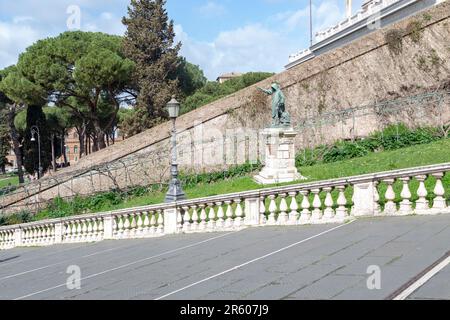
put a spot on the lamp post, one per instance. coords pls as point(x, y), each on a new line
point(35, 131)
point(175, 192)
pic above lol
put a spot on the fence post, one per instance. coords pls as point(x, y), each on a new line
point(59, 232)
point(108, 224)
point(252, 211)
point(364, 199)
point(17, 237)
point(170, 220)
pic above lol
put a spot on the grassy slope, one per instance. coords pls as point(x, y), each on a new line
point(6, 181)
point(433, 153)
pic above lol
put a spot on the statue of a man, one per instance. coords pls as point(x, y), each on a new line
point(279, 115)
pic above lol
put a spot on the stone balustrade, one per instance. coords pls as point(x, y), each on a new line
point(395, 193)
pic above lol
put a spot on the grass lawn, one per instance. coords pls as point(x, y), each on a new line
point(433, 153)
point(6, 180)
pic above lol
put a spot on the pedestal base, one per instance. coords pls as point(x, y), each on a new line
point(280, 157)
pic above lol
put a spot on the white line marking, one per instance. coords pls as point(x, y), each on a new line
point(127, 265)
point(251, 261)
point(62, 262)
point(426, 277)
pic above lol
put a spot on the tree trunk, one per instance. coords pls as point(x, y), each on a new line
point(53, 152)
point(63, 148)
point(16, 143)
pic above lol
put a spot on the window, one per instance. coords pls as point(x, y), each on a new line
point(75, 149)
point(67, 150)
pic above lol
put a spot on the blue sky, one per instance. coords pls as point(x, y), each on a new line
point(220, 36)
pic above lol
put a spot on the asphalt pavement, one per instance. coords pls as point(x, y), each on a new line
point(365, 259)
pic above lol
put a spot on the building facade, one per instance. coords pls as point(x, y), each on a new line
point(373, 15)
point(228, 76)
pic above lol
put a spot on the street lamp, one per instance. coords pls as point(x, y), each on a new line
point(175, 192)
point(35, 131)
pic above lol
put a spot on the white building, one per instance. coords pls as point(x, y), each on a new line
point(373, 15)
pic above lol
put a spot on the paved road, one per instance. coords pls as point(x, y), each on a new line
point(304, 262)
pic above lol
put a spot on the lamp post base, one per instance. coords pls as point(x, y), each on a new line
point(175, 192)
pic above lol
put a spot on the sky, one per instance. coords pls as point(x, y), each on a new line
point(218, 35)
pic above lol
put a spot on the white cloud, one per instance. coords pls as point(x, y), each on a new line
point(249, 48)
point(14, 38)
point(325, 15)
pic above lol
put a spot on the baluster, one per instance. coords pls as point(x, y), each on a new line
point(211, 216)
point(126, 225)
point(306, 213)
point(153, 223)
point(160, 222)
point(39, 234)
point(179, 220)
point(52, 233)
point(238, 213)
point(120, 226)
point(133, 225)
point(439, 203)
point(35, 234)
point(317, 204)
point(84, 230)
point(78, 230)
point(328, 213)
point(44, 234)
point(186, 219)
point(140, 223)
point(90, 229)
point(202, 224)
point(229, 214)
point(272, 210)
point(68, 233)
point(101, 228)
point(405, 204)
point(390, 207)
point(194, 224)
point(422, 202)
point(220, 215)
point(341, 211)
point(293, 214)
point(283, 217)
point(73, 231)
point(262, 210)
point(376, 199)
point(146, 229)
point(95, 229)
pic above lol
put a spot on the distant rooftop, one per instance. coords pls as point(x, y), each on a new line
point(227, 76)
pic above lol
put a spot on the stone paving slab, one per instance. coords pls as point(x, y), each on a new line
point(299, 262)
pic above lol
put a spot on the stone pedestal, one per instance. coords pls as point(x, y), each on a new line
point(280, 157)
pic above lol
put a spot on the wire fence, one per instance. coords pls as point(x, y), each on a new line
point(150, 166)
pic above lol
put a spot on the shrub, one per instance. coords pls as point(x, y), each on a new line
point(16, 218)
point(343, 150)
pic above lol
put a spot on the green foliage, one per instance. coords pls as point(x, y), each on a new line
point(414, 29)
point(391, 138)
point(190, 77)
point(344, 150)
point(36, 117)
point(59, 207)
point(16, 218)
point(5, 145)
point(213, 91)
point(192, 180)
point(149, 42)
point(85, 72)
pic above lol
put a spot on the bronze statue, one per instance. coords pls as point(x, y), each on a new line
point(280, 117)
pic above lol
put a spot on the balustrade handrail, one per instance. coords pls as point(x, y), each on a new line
point(380, 176)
